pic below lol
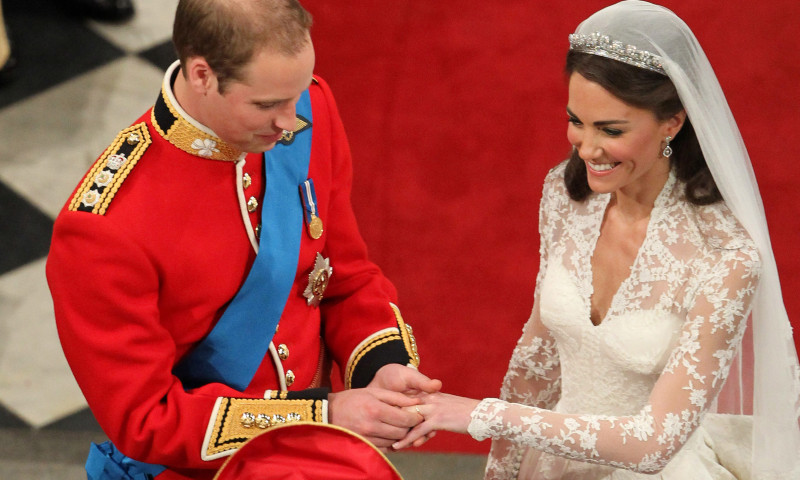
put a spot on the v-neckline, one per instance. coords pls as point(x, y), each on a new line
point(606, 200)
point(631, 269)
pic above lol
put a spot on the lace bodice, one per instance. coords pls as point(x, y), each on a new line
point(630, 391)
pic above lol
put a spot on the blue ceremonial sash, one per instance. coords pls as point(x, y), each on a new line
point(236, 346)
point(105, 462)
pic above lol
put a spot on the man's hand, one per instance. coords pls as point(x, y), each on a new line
point(374, 413)
point(402, 379)
point(408, 381)
point(377, 412)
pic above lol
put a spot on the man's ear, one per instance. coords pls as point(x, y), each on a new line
point(199, 75)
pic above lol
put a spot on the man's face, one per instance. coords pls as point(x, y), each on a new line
point(251, 115)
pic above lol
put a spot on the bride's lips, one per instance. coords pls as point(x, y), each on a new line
point(601, 169)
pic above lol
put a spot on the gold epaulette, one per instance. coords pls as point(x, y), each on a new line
point(236, 420)
point(109, 171)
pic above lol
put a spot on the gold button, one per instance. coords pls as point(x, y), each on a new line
point(252, 204)
point(283, 351)
point(246, 181)
point(289, 378)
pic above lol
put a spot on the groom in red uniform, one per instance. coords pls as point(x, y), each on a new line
point(208, 269)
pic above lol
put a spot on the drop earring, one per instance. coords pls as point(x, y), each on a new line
point(667, 150)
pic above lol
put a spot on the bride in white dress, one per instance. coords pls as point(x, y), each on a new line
point(647, 280)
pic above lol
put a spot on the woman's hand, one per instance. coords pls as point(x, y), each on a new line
point(441, 411)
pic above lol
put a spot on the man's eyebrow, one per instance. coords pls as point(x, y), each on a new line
point(269, 101)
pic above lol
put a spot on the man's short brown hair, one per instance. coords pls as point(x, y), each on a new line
point(228, 33)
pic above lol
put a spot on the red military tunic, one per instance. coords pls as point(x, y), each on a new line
point(144, 275)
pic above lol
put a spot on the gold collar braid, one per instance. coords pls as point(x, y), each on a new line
point(180, 132)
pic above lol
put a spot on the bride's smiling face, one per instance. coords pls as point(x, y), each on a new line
point(620, 144)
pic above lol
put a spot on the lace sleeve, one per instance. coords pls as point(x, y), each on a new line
point(691, 380)
point(533, 376)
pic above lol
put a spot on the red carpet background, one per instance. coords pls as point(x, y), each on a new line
point(455, 112)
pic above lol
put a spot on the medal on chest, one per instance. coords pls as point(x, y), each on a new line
point(313, 222)
point(318, 280)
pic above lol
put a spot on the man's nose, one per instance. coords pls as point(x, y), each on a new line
point(287, 117)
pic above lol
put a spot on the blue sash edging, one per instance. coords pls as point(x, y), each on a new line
point(105, 462)
point(236, 346)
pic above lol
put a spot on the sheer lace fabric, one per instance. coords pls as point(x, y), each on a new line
point(767, 377)
point(628, 394)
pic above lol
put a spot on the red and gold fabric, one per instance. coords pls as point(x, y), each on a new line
point(139, 281)
point(308, 451)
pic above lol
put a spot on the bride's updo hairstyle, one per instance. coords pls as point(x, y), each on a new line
point(651, 91)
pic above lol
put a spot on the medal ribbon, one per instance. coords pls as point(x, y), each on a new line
point(309, 199)
point(238, 343)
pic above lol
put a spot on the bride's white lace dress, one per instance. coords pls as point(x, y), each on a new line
point(626, 398)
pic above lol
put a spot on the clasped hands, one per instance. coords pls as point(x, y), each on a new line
point(399, 408)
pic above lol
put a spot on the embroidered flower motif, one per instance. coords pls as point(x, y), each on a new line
point(678, 278)
point(530, 358)
point(697, 397)
point(588, 441)
point(640, 426)
point(205, 147)
point(651, 463)
point(534, 423)
point(672, 425)
point(571, 424)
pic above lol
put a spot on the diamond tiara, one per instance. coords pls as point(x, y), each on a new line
point(602, 45)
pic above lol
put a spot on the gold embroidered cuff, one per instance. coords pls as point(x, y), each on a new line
point(390, 345)
point(408, 336)
point(236, 420)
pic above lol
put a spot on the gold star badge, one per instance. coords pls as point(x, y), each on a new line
point(318, 280)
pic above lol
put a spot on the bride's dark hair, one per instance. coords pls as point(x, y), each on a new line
point(650, 91)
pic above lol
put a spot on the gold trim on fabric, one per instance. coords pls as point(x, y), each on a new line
point(323, 368)
point(408, 336)
point(240, 419)
point(191, 139)
point(389, 463)
point(278, 395)
point(288, 135)
point(369, 345)
point(137, 136)
point(401, 333)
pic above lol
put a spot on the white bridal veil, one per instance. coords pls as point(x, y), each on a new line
point(769, 359)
